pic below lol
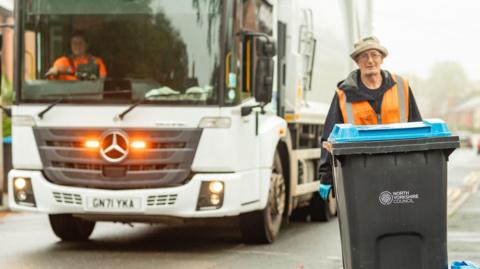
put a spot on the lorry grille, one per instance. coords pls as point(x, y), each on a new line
point(67, 198)
point(161, 200)
point(164, 162)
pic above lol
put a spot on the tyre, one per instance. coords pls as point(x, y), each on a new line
point(300, 214)
point(69, 228)
point(263, 226)
point(321, 210)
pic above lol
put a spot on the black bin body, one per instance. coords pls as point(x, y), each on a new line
point(392, 202)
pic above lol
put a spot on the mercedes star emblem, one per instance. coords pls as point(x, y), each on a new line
point(114, 146)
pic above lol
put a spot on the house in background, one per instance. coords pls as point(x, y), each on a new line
point(466, 115)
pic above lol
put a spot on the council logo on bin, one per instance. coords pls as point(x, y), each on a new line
point(385, 198)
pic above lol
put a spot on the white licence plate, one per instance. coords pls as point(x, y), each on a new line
point(115, 204)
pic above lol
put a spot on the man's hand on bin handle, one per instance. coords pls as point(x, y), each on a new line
point(327, 145)
point(325, 190)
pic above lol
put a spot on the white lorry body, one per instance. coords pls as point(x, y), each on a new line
point(192, 141)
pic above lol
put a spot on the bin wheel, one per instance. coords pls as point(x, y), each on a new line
point(69, 228)
point(321, 210)
point(263, 226)
point(300, 214)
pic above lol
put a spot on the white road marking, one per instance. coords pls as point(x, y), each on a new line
point(458, 195)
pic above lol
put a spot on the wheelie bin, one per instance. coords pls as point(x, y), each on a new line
point(391, 190)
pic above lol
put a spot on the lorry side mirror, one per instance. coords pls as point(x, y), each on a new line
point(264, 70)
point(266, 48)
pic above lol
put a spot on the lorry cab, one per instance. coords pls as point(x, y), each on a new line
point(207, 110)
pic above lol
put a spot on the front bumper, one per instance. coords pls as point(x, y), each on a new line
point(242, 193)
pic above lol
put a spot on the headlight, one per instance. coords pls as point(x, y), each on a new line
point(215, 187)
point(215, 122)
point(23, 191)
point(23, 120)
point(20, 183)
point(211, 195)
point(215, 199)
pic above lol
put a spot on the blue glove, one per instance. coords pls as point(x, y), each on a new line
point(325, 191)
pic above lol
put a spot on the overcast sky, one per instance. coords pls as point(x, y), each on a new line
point(7, 4)
point(419, 33)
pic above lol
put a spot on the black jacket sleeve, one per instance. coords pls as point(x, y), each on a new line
point(334, 116)
point(413, 112)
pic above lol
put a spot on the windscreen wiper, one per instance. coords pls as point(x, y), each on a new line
point(130, 108)
point(54, 103)
point(63, 97)
point(134, 105)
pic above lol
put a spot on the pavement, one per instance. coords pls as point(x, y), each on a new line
point(4, 205)
point(464, 231)
point(224, 252)
point(458, 195)
point(3, 202)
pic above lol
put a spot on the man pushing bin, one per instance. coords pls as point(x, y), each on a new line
point(389, 167)
point(369, 95)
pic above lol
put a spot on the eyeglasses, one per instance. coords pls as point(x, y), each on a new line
point(365, 56)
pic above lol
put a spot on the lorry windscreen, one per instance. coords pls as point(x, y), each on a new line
point(160, 51)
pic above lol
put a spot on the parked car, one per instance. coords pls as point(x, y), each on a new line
point(465, 138)
point(478, 145)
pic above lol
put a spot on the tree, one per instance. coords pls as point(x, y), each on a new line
point(447, 84)
point(213, 7)
point(144, 46)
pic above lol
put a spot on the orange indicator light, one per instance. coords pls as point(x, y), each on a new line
point(138, 144)
point(92, 144)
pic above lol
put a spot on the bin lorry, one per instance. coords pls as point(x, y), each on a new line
point(209, 109)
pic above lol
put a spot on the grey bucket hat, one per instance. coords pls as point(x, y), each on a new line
point(368, 43)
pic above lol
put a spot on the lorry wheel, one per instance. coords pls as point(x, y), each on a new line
point(262, 227)
point(69, 228)
point(321, 210)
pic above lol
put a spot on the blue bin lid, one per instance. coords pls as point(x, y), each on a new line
point(7, 140)
point(463, 265)
point(396, 131)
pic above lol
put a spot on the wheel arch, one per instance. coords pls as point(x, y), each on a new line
point(274, 137)
point(283, 150)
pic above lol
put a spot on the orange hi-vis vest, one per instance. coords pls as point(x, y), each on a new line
point(393, 110)
point(72, 64)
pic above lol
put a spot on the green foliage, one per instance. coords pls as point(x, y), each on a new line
point(7, 99)
point(7, 126)
point(7, 91)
